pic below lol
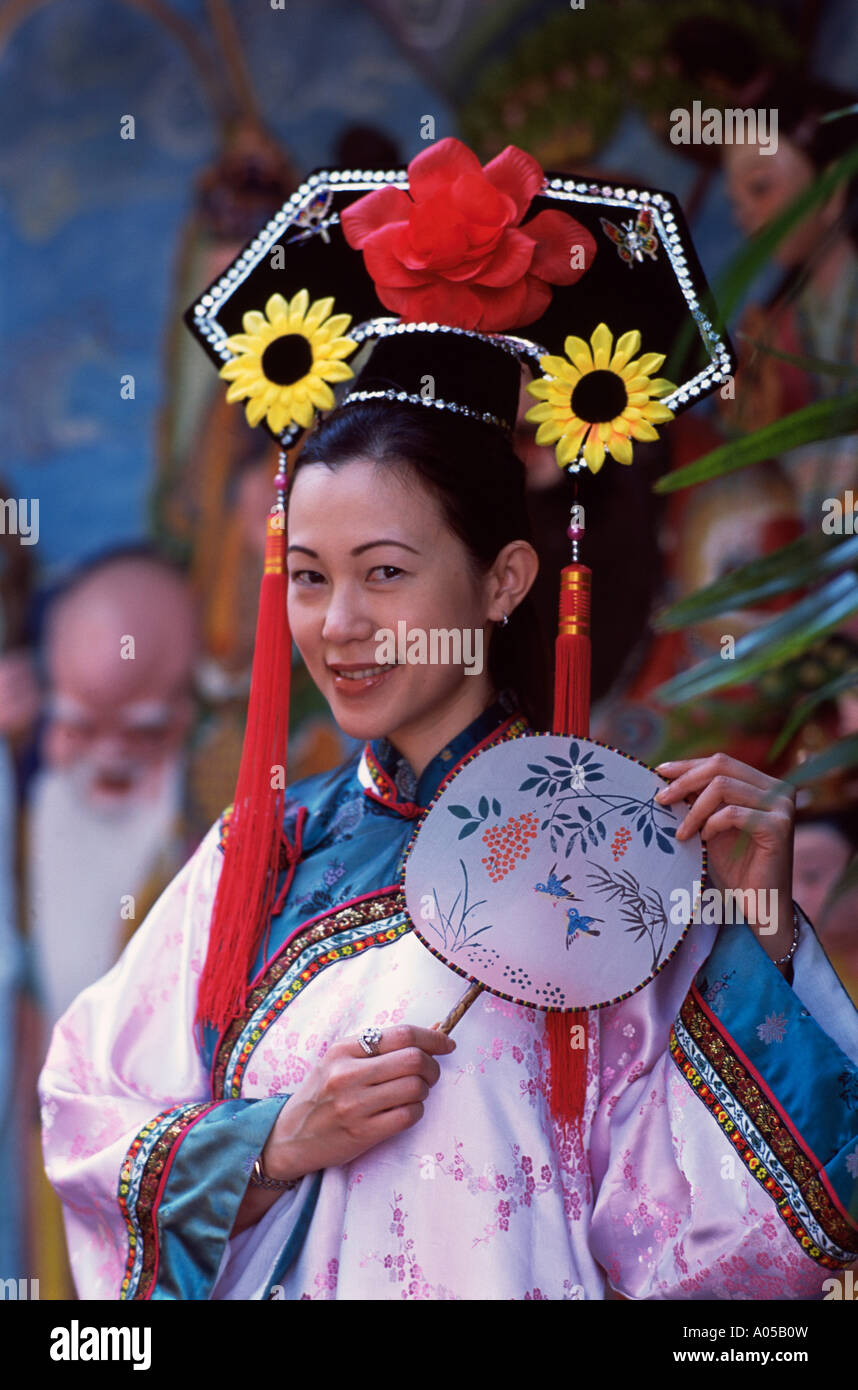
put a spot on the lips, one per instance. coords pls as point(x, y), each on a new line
point(354, 679)
point(358, 672)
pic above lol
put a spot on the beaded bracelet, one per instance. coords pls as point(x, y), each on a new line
point(791, 952)
point(260, 1178)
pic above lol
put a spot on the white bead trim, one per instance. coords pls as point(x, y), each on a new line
point(390, 395)
point(388, 327)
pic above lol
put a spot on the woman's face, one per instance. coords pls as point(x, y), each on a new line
point(760, 185)
point(820, 856)
point(368, 551)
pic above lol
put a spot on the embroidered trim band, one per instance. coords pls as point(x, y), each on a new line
point(374, 921)
point(732, 1094)
point(140, 1186)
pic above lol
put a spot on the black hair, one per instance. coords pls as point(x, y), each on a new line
point(479, 481)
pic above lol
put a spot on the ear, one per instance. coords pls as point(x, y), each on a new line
point(510, 579)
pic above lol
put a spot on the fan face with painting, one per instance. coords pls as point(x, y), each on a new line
point(565, 888)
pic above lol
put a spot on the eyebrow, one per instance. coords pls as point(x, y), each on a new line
point(358, 550)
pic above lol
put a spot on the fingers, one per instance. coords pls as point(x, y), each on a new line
point(748, 819)
point(393, 1095)
point(692, 774)
point(720, 780)
point(404, 1035)
point(730, 793)
point(391, 1122)
point(407, 1061)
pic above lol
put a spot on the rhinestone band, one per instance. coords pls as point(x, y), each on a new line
point(387, 327)
point(390, 395)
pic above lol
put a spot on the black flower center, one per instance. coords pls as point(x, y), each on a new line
point(599, 396)
point(287, 359)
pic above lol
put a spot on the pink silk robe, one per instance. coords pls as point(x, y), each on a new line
point(720, 1153)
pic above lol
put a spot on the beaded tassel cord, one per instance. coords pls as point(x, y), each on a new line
point(567, 1032)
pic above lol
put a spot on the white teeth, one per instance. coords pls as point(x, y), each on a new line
point(360, 675)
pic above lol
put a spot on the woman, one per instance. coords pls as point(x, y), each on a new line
point(719, 1138)
point(812, 313)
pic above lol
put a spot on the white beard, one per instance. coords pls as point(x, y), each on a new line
point(80, 864)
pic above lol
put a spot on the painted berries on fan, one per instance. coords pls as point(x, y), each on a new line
point(508, 843)
point(620, 842)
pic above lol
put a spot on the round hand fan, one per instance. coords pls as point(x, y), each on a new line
point(546, 872)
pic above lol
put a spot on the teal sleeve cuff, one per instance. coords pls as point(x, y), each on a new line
point(182, 1183)
point(781, 1079)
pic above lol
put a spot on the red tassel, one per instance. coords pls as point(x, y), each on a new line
point(572, 654)
point(245, 892)
point(567, 1032)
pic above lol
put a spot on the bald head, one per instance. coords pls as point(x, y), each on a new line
point(127, 631)
point(120, 650)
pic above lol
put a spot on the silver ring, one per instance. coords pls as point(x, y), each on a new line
point(369, 1040)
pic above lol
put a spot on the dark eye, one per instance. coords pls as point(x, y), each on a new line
point(390, 571)
point(306, 577)
point(759, 186)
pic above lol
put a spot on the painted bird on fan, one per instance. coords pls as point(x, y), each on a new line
point(576, 924)
point(554, 888)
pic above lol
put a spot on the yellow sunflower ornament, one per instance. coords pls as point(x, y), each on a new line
point(599, 398)
point(285, 359)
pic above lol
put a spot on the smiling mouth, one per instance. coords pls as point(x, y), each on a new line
point(358, 673)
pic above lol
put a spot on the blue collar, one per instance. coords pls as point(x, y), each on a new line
point(387, 777)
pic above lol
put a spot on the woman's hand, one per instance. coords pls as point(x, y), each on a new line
point(350, 1102)
point(746, 819)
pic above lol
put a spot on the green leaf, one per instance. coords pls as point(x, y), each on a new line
point(820, 365)
point(802, 712)
point(842, 754)
point(461, 811)
point(837, 115)
point(794, 566)
point(823, 420)
point(772, 644)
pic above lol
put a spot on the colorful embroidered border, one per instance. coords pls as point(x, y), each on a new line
point(383, 787)
point(285, 860)
point(223, 827)
point(771, 1153)
point(376, 920)
point(140, 1179)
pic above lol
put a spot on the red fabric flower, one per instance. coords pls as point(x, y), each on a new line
point(452, 249)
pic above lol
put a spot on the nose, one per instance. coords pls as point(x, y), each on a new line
point(346, 617)
point(110, 749)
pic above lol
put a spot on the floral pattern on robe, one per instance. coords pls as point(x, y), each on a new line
point(716, 1160)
